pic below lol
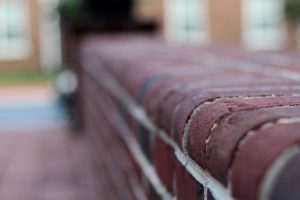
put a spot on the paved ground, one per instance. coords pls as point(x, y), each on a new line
point(30, 106)
point(39, 157)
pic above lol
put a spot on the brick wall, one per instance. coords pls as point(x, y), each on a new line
point(167, 122)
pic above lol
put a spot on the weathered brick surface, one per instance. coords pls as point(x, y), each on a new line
point(164, 162)
point(186, 186)
point(231, 130)
point(287, 182)
point(269, 143)
point(190, 122)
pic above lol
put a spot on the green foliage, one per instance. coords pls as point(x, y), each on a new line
point(25, 77)
point(70, 8)
point(292, 11)
point(142, 1)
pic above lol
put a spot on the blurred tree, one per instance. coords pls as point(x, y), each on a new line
point(79, 17)
point(75, 10)
point(70, 9)
point(110, 7)
point(292, 11)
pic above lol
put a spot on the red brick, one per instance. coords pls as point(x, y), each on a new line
point(257, 154)
point(225, 138)
point(186, 185)
point(164, 162)
point(169, 85)
point(203, 122)
point(286, 185)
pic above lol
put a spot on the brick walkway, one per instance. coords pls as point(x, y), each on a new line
point(39, 162)
point(43, 165)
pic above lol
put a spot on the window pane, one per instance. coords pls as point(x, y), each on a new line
point(276, 9)
point(185, 19)
point(14, 29)
point(263, 24)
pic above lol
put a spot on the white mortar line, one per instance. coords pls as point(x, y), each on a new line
point(145, 166)
point(250, 133)
point(258, 88)
point(269, 179)
point(217, 189)
point(205, 193)
point(266, 125)
point(139, 114)
point(127, 165)
point(215, 125)
point(238, 63)
point(117, 179)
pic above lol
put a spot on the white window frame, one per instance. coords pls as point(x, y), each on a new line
point(50, 38)
point(20, 47)
point(254, 35)
point(175, 28)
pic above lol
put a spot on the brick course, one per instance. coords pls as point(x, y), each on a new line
point(191, 122)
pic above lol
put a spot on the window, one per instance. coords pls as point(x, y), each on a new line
point(14, 30)
point(185, 20)
point(263, 24)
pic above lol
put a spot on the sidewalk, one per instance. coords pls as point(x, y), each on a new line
point(39, 158)
point(30, 107)
point(48, 166)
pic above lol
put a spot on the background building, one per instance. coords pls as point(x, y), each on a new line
point(30, 37)
point(255, 24)
point(27, 27)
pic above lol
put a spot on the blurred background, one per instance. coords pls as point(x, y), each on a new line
point(38, 80)
point(30, 29)
point(30, 36)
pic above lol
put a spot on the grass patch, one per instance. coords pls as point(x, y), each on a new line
point(8, 78)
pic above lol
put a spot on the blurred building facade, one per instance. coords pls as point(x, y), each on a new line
point(255, 24)
point(29, 35)
point(19, 37)
point(30, 38)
